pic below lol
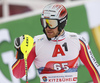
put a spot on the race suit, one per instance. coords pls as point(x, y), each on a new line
point(57, 59)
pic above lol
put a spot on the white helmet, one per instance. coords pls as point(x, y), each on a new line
point(54, 11)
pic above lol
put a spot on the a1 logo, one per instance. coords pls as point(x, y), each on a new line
point(58, 50)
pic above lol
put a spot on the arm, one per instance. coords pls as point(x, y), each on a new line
point(18, 67)
point(89, 61)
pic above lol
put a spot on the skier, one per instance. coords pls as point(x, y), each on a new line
point(56, 52)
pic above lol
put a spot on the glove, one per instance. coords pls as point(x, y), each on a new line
point(17, 43)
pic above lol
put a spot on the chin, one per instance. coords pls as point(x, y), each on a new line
point(49, 37)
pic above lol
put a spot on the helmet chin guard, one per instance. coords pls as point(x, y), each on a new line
point(57, 12)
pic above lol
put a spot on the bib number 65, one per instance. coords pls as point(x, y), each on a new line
point(61, 66)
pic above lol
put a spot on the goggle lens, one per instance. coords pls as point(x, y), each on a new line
point(51, 23)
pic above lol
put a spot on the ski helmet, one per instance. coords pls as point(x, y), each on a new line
point(54, 13)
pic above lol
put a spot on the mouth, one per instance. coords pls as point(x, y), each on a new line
point(49, 32)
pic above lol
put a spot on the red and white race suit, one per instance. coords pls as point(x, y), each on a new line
point(57, 60)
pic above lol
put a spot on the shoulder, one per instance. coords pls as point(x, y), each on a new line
point(39, 37)
point(76, 36)
point(82, 39)
point(71, 34)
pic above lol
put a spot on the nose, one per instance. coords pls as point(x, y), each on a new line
point(48, 28)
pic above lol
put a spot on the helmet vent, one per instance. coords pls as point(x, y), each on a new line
point(52, 11)
point(52, 15)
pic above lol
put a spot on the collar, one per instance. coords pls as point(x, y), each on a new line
point(59, 38)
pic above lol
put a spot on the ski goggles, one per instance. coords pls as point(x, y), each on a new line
point(51, 23)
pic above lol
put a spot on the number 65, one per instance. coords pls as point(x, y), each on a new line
point(58, 66)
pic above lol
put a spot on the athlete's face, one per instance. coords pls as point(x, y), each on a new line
point(51, 32)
